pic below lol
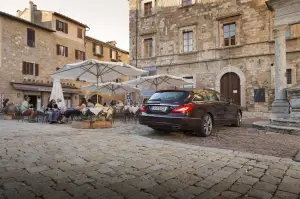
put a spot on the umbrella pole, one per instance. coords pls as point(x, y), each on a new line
point(97, 89)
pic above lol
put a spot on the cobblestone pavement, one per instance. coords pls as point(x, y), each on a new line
point(48, 161)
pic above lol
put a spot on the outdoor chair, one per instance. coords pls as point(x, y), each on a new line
point(118, 113)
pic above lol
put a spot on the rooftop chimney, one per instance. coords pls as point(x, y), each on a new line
point(18, 13)
point(113, 43)
point(32, 8)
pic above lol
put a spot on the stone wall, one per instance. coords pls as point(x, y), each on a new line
point(252, 56)
point(15, 50)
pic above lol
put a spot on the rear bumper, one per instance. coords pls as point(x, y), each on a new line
point(170, 123)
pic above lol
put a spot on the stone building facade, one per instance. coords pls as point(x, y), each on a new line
point(34, 44)
point(226, 45)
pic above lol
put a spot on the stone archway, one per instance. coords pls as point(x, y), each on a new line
point(232, 69)
point(93, 97)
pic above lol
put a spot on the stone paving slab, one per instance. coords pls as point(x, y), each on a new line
point(56, 161)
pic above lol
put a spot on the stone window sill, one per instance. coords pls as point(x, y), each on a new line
point(148, 16)
point(229, 47)
point(187, 53)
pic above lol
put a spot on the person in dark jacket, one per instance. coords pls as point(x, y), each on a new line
point(52, 111)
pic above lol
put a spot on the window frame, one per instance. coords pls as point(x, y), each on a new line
point(186, 2)
point(79, 33)
point(189, 39)
point(289, 76)
point(148, 9)
point(61, 26)
point(148, 47)
point(29, 68)
point(64, 53)
point(229, 34)
point(31, 41)
point(79, 55)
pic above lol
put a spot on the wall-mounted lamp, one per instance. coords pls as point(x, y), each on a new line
point(75, 97)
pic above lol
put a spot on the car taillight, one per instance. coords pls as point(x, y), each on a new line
point(144, 109)
point(184, 108)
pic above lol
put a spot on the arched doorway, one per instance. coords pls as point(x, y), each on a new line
point(231, 87)
point(94, 99)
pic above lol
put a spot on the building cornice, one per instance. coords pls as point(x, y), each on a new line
point(105, 44)
point(25, 21)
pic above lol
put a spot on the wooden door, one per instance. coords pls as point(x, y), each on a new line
point(94, 99)
point(231, 87)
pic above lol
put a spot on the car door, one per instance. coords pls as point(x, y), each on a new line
point(218, 107)
point(229, 108)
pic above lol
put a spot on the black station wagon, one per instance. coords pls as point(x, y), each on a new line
point(196, 111)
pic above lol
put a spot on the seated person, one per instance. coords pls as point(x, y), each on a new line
point(90, 104)
point(81, 108)
point(26, 111)
point(52, 111)
point(60, 105)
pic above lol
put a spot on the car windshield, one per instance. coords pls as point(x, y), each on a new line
point(170, 96)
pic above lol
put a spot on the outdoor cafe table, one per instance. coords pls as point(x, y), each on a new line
point(96, 111)
point(132, 109)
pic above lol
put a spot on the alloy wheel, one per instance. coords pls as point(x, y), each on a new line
point(207, 125)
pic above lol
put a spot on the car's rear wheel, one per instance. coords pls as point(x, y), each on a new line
point(205, 126)
point(238, 120)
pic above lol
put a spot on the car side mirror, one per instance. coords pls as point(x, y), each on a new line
point(230, 101)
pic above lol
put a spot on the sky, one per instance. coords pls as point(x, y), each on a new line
point(108, 19)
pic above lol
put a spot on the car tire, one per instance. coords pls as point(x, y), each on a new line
point(205, 126)
point(238, 120)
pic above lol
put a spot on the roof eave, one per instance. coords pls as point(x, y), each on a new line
point(70, 19)
point(25, 21)
point(106, 44)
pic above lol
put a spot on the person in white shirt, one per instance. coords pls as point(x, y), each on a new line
point(90, 104)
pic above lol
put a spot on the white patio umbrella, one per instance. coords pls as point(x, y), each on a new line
point(158, 82)
point(112, 88)
point(97, 71)
point(57, 92)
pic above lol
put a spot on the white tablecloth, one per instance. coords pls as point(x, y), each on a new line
point(132, 109)
point(96, 111)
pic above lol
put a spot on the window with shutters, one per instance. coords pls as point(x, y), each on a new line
point(113, 54)
point(79, 55)
point(229, 34)
point(148, 47)
point(30, 37)
point(289, 78)
point(98, 49)
point(30, 69)
point(148, 9)
point(62, 50)
point(79, 33)
point(61, 26)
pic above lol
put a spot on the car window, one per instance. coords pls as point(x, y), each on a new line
point(199, 98)
point(222, 98)
point(212, 96)
point(169, 96)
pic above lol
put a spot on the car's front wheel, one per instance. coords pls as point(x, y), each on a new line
point(205, 126)
point(238, 120)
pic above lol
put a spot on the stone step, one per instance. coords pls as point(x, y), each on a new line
point(266, 125)
point(286, 122)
